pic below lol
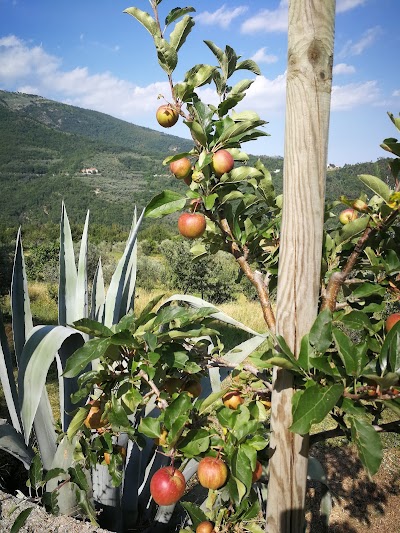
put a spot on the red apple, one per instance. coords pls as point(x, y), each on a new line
point(257, 472)
point(348, 215)
point(205, 527)
point(193, 387)
point(232, 399)
point(191, 225)
point(181, 168)
point(212, 472)
point(167, 485)
point(222, 162)
point(391, 321)
point(167, 115)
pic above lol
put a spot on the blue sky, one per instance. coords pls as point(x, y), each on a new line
point(88, 53)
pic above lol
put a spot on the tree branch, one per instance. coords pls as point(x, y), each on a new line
point(337, 279)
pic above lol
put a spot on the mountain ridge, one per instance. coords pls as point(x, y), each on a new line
point(45, 144)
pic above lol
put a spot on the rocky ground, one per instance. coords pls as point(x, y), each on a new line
point(360, 504)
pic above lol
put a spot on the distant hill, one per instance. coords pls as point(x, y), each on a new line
point(44, 145)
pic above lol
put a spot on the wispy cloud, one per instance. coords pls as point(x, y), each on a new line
point(346, 5)
point(396, 93)
point(262, 57)
point(221, 17)
point(352, 48)
point(355, 94)
point(343, 68)
point(268, 20)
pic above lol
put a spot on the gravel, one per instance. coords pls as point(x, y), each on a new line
point(39, 520)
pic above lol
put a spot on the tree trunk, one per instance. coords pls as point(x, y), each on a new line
point(309, 80)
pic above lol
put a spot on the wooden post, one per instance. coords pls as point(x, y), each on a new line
point(309, 80)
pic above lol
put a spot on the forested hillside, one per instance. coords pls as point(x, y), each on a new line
point(44, 145)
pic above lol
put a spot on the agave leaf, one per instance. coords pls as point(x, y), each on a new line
point(38, 354)
point(198, 303)
point(128, 298)
point(64, 459)
point(98, 294)
point(81, 291)
point(20, 306)
point(238, 354)
point(7, 379)
point(122, 282)
point(68, 273)
point(12, 442)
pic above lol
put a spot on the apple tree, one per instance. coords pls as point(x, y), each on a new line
point(329, 353)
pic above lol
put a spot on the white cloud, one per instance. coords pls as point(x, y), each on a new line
point(17, 61)
point(356, 48)
point(346, 5)
point(262, 57)
point(221, 17)
point(34, 71)
point(268, 20)
point(396, 93)
point(266, 95)
point(354, 94)
point(343, 68)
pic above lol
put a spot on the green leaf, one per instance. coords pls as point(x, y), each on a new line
point(21, 519)
point(167, 56)
point(385, 382)
point(239, 129)
point(197, 131)
point(53, 473)
point(199, 75)
point(117, 416)
point(93, 349)
point(241, 173)
point(178, 408)
point(390, 351)
point(347, 351)
point(151, 427)
point(180, 32)
point(36, 472)
point(313, 406)
point(50, 502)
point(144, 18)
point(195, 442)
point(321, 331)
point(377, 185)
point(356, 320)
point(305, 354)
point(249, 64)
point(79, 477)
point(368, 443)
point(92, 327)
point(176, 13)
point(85, 504)
point(165, 203)
point(353, 228)
point(241, 466)
point(241, 86)
point(368, 289)
point(77, 421)
point(196, 514)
